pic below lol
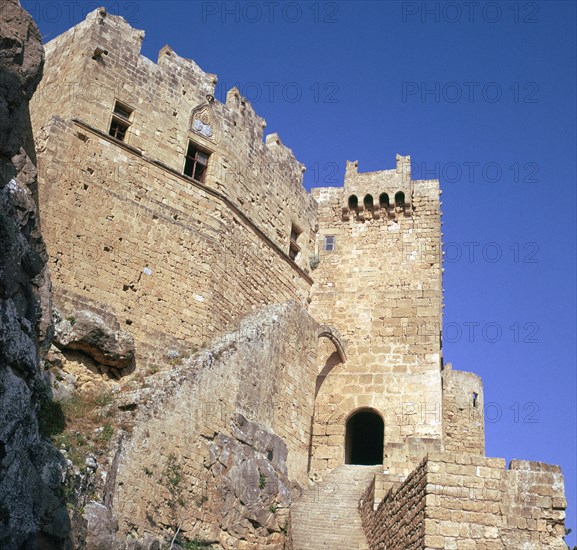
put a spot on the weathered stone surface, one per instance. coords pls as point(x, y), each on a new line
point(101, 527)
point(102, 340)
point(338, 497)
point(32, 510)
point(252, 478)
point(380, 285)
point(64, 383)
point(230, 431)
point(21, 62)
point(467, 501)
point(181, 265)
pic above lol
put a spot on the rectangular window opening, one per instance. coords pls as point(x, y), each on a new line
point(475, 396)
point(122, 111)
point(295, 232)
point(294, 251)
point(121, 121)
point(329, 243)
point(294, 248)
point(196, 163)
point(118, 129)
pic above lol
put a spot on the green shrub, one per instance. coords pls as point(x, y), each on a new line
point(195, 544)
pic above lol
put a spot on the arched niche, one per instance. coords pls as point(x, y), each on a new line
point(368, 202)
point(399, 199)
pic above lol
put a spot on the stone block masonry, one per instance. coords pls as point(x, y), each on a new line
point(232, 419)
point(379, 284)
point(463, 411)
point(177, 260)
point(398, 523)
point(465, 501)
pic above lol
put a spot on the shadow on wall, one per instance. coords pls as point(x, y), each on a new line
point(333, 360)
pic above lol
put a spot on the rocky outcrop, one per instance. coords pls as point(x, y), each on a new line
point(32, 510)
point(107, 345)
point(253, 488)
point(21, 63)
point(100, 527)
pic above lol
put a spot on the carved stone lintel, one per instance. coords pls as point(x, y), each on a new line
point(204, 123)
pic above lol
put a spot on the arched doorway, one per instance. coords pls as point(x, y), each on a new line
point(364, 438)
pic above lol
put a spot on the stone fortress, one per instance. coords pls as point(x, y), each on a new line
point(288, 343)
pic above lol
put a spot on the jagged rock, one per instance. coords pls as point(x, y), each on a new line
point(101, 527)
point(63, 383)
point(91, 463)
point(250, 469)
point(31, 504)
point(21, 63)
point(260, 440)
point(104, 342)
point(32, 510)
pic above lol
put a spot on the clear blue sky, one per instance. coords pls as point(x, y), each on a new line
point(484, 100)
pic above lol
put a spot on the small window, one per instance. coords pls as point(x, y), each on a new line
point(400, 199)
point(121, 121)
point(118, 130)
point(294, 248)
point(196, 163)
point(329, 243)
point(122, 111)
point(368, 202)
point(353, 202)
point(384, 200)
point(475, 396)
point(295, 232)
point(293, 251)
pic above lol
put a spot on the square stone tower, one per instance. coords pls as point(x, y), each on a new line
point(378, 282)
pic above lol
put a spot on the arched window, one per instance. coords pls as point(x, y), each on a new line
point(384, 200)
point(353, 202)
point(400, 199)
point(368, 202)
point(364, 439)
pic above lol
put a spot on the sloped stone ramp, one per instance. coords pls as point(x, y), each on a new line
point(326, 516)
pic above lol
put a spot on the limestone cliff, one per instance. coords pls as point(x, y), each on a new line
point(32, 512)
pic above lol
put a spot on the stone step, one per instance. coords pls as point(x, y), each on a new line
point(326, 515)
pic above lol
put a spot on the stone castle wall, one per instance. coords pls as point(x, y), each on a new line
point(176, 260)
point(463, 412)
point(179, 261)
point(235, 422)
point(260, 175)
point(465, 501)
point(399, 520)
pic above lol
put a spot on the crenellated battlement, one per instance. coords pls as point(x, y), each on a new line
point(384, 194)
point(167, 112)
point(216, 203)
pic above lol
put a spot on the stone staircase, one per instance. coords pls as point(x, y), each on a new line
point(326, 516)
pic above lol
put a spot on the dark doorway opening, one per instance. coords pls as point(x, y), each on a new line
point(364, 439)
